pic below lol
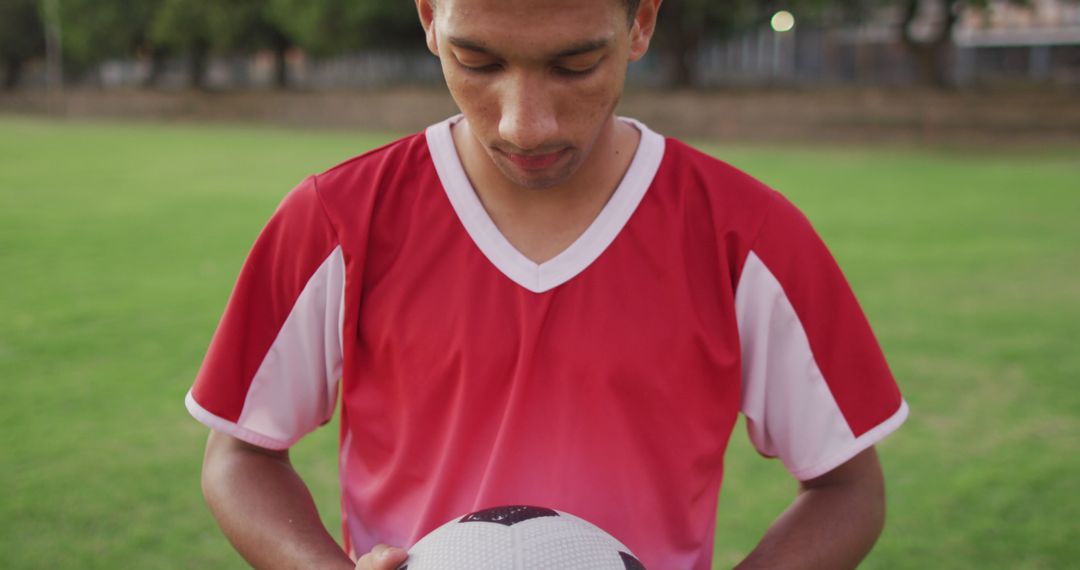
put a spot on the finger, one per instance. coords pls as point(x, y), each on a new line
point(390, 558)
point(382, 557)
point(367, 561)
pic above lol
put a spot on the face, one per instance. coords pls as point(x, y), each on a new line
point(537, 80)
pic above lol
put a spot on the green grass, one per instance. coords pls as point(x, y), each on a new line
point(119, 244)
point(967, 265)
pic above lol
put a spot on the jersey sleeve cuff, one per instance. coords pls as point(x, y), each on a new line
point(222, 425)
point(858, 445)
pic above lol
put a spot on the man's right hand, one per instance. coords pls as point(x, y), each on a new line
point(382, 557)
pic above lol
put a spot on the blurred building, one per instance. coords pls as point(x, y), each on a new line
point(1009, 42)
point(1005, 43)
point(1040, 41)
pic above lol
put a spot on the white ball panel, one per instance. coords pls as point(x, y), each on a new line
point(567, 542)
point(542, 543)
point(482, 546)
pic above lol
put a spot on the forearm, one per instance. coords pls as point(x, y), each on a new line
point(265, 509)
point(832, 524)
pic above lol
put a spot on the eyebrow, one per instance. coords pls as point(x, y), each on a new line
point(576, 49)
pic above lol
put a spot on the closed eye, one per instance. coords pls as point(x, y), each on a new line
point(476, 63)
point(490, 68)
point(577, 66)
point(568, 72)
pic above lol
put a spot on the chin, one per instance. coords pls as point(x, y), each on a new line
point(535, 182)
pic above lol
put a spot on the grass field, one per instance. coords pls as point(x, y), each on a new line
point(119, 244)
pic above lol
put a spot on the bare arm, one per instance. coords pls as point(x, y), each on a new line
point(264, 507)
point(833, 523)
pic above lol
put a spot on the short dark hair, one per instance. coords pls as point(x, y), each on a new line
point(631, 8)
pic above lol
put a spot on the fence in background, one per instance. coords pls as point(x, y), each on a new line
point(1039, 43)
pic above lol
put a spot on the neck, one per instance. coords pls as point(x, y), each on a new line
point(541, 223)
point(596, 178)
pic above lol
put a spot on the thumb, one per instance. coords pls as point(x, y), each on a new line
point(390, 558)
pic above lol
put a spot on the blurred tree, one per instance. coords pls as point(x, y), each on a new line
point(930, 44)
point(200, 27)
point(184, 26)
point(325, 27)
point(22, 37)
point(250, 25)
point(930, 52)
point(96, 30)
point(684, 24)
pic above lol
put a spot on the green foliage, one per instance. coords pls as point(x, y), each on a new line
point(98, 29)
point(683, 25)
point(21, 32)
point(705, 17)
point(245, 25)
point(333, 26)
point(198, 27)
point(184, 25)
point(95, 30)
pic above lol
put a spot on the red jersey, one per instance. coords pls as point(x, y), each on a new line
point(604, 382)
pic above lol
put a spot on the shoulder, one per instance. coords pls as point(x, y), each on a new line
point(351, 192)
point(375, 167)
point(697, 169)
point(736, 202)
point(350, 180)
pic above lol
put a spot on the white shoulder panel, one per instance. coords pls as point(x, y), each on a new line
point(295, 388)
point(790, 411)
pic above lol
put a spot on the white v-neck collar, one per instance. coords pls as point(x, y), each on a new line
point(542, 277)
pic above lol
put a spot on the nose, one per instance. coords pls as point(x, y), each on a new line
point(528, 119)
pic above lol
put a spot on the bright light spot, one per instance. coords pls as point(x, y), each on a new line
point(783, 21)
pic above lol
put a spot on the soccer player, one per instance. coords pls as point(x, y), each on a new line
point(539, 302)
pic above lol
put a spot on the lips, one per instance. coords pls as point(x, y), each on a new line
point(534, 161)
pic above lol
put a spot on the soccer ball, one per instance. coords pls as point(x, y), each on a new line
point(519, 538)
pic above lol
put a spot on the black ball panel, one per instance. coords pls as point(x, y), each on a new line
point(630, 562)
point(508, 515)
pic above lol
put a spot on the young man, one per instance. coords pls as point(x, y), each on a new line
point(540, 303)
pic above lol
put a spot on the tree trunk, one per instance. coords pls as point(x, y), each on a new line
point(682, 56)
point(931, 57)
point(157, 67)
point(200, 55)
point(680, 38)
point(281, 47)
point(12, 72)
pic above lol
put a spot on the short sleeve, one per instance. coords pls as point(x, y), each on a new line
point(816, 389)
point(271, 373)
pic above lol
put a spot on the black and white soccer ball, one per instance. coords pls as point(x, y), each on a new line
point(520, 538)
